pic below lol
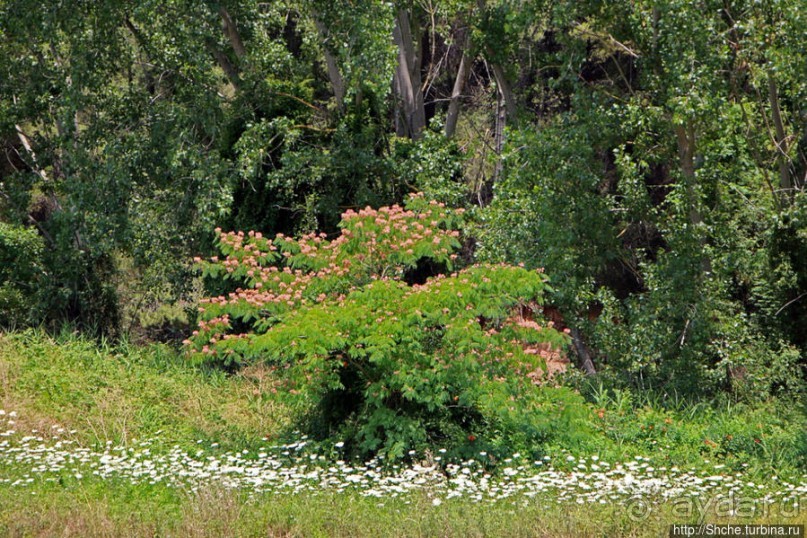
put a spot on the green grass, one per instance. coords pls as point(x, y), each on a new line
point(762, 436)
point(123, 393)
point(121, 510)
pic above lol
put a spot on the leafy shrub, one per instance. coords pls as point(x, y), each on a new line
point(393, 353)
point(432, 164)
point(55, 286)
point(20, 271)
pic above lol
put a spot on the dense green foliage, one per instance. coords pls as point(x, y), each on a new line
point(20, 273)
point(660, 192)
point(649, 157)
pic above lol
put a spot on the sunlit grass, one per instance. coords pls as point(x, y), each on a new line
point(119, 509)
point(94, 394)
point(117, 441)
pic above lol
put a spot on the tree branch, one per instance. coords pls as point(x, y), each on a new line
point(226, 65)
point(231, 31)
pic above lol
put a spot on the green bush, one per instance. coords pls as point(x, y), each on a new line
point(20, 274)
point(392, 352)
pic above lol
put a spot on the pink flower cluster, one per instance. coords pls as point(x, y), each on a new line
point(283, 274)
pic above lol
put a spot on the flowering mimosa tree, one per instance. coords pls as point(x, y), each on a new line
point(390, 360)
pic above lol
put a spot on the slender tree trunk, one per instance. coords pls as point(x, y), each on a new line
point(785, 180)
point(26, 144)
point(583, 354)
point(151, 86)
point(656, 20)
point(686, 154)
point(230, 31)
point(408, 80)
point(498, 73)
point(486, 192)
point(34, 165)
point(505, 106)
point(334, 75)
point(456, 93)
point(504, 90)
point(400, 112)
point(685, 135)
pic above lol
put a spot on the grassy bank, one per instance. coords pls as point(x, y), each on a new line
point(96, 393)
point(97, 440)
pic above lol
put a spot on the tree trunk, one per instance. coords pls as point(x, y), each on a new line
point(504, 90)
point(408, 80)
point(29, 149)
point(334, 75)
point(485, 195)
point(686, 153)
point(501, 80)
point(785, 181)
point(456, 93)
point(583, 354)
point(505, 107)
point(226, 65)
point(151, 86)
